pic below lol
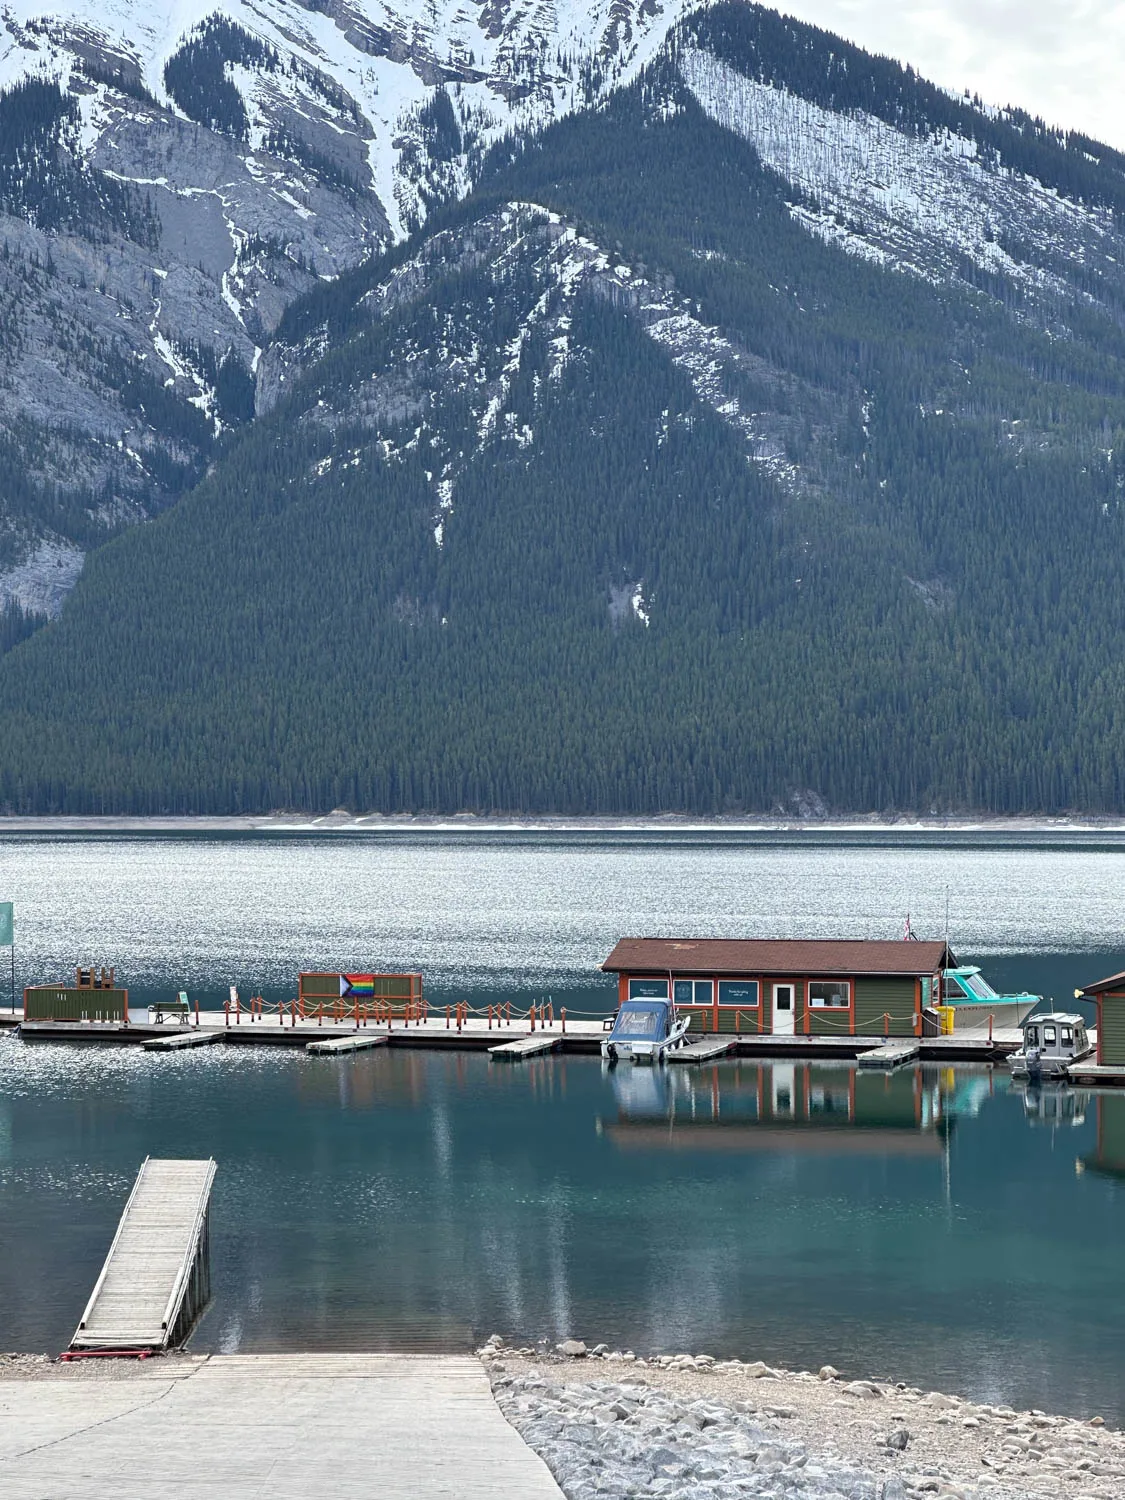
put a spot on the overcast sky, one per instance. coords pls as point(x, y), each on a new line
point(1062, 59)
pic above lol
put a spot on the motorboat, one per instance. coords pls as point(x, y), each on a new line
point(644, 1031)
point(975, 1003)
point(1050, 1043)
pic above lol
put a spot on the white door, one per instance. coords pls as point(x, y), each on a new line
point(783, 1006)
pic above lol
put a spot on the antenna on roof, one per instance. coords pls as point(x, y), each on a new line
point(947, 917)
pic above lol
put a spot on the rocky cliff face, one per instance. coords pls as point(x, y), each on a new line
point(194, 171)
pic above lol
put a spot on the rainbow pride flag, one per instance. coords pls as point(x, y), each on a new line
point(357, 986)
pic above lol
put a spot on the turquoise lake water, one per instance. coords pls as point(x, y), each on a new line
point(939, 1226)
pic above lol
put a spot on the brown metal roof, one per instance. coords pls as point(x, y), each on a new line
point(750, 956)
point(1101, 986)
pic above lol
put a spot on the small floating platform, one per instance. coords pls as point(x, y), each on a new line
point(362, 1041)
point(1106, 1074)
point(182, 1039)
point(703, 1051)
point(525, 1046)
point(892, 1055)
point(156, 1277)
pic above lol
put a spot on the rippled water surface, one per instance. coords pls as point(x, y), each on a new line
point(937, 1226)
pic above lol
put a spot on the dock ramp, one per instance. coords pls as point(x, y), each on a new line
point(157, 1275)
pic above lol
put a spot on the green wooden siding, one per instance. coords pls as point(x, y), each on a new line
point(386, 986)
point(1111, 1033)
point(69, 1003)
point(875, 997)
point(828, 1020)
point(320, 986)
point(731, 1018)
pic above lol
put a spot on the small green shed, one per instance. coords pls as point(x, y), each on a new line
point(1109, 997)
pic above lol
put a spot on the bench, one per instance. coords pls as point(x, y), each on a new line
point(161, 1008)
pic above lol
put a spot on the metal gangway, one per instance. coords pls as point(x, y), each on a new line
point(157, 1276)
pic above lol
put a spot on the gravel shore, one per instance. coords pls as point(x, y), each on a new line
point(690, 1428)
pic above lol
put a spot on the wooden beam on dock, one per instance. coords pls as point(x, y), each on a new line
point(182, 1039)
point(360, 1042)
point(703, 1051)
point(156, 1277)
point(890, 1055)
point(525, 1046)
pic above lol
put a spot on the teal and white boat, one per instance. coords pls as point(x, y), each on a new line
point(974, 1000)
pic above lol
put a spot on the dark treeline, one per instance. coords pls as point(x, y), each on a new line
point(196, 75)
point(41, 178)
point(837, 75)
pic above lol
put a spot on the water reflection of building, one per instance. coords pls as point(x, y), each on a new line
point(1109, 1153)
point(815, 1107)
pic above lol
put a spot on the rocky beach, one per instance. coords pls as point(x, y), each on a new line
point(610, 1424)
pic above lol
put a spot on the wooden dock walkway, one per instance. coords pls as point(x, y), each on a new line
point(891, 1055)
point(360, 1042)
point(156, 1277)
point(525, 1046)
point(707, 1050)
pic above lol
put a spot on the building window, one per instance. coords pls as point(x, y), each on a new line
point(648, 989)
point(694, 992)
point(742, 992)
point(825, 994)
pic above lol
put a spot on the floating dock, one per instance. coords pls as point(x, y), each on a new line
point(893, 1055)
point(360, 1042)
point(707, 1050)
point(157, 1275)
point(514, 1042)
point(1105, 1075)
point(181, 1040)
point(525, 1046)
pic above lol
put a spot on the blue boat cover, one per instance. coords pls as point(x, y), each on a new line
point(642, 1021)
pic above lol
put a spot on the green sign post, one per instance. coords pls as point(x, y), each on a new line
point(8, 939)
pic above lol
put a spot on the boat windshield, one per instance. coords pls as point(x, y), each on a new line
point(979, 987)
point(638, 1021)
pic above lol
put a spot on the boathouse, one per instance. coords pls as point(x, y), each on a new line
point(786, 988)
point(1109, 997)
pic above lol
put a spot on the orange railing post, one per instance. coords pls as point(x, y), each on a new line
point(990, 1028)
point(886, 1023)
point(563, 1019)
point(226, 1008)
point(197, 1010)
point(320, 1014)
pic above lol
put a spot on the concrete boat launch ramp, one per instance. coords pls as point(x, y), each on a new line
point(156, 1277)
point(286, 1427)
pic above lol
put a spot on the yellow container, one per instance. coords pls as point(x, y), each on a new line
point(947, 1014)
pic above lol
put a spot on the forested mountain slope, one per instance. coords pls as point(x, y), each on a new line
point(172, 176)
point(753, 439)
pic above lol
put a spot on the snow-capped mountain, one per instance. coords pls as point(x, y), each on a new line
point(709, 415)
point(173, 178)
point(199, 166)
